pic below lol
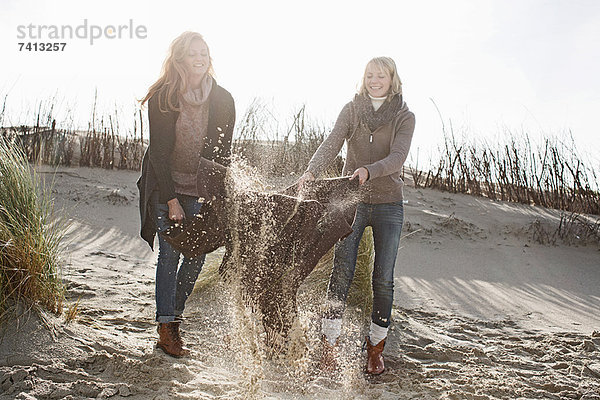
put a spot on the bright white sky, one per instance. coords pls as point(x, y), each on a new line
point(490, 65)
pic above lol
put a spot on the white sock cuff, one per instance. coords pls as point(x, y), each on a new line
point(331, 328)
point(377, 333)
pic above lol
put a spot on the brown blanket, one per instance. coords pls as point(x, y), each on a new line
point(273, 241)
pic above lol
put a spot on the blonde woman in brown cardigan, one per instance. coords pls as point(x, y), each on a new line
point(377, 128)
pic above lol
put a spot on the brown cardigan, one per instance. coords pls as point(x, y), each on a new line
point(382, 152)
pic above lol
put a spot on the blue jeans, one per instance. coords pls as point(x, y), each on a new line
point(173, 284)
point(386, 222)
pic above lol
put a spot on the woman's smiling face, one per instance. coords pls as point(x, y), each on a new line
point(377, 81)
point(197, 59)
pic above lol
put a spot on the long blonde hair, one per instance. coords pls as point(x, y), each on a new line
point(173, 77)
point(388, 65)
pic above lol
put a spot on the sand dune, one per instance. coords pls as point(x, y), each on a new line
point(482, 311)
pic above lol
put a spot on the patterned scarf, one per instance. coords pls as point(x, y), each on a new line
point(374, 119)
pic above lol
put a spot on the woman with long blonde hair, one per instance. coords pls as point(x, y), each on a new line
point(191, 118)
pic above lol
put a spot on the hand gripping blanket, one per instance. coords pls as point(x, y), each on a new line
point(272, 241)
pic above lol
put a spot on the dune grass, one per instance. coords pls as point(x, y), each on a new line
point(30, 238)
point(277, 148)
point(105, 143)
point(552, 173)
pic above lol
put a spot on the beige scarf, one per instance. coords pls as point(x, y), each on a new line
point(196, 97)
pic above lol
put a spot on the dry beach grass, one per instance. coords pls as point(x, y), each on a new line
point(31, 237)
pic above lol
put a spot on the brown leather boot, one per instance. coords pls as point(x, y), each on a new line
point(170, 340)
point(375, 365)
point(328, 362)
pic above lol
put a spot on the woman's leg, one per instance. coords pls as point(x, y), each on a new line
point(387, 227)
point(190, 267)
point(166, 268)
point(344, 265)
point(387, 220)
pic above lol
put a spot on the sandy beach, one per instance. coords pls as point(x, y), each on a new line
point(482, 310)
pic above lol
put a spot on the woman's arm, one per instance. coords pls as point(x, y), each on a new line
point(332, 144)
point(398, 151)
point(228, 137)
point(160, 147)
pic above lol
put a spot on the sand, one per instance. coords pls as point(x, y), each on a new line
point(481, 311)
